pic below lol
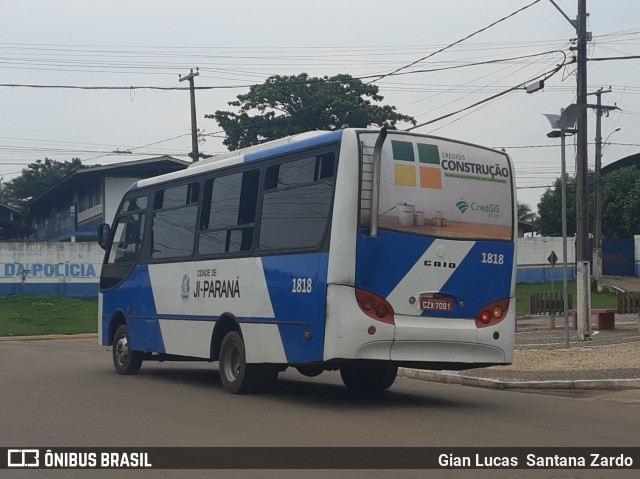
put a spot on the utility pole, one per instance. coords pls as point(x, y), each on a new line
point(582, 217)
point(597, 229)
point(583, 305)
point(195, 154)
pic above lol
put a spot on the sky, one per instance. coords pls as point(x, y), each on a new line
point(151, 43)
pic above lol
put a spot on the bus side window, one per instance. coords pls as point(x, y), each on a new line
point(127, 240)
point(174, 221)
point(296, 208)
point(229, 213)
point(135, 204)
point(299, 172)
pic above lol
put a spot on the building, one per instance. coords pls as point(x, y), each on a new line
point(72, 209)
point(12, 226)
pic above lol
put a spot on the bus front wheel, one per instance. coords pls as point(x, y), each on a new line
point(125, 360)
point(368, 377)
point(236, 375)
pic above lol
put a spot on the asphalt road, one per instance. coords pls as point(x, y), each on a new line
point(65, 393)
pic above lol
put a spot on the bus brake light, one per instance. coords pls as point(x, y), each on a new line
point(375, 307)
point(492, 314)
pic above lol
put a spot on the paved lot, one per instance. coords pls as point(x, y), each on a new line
point(65, 393)
point(626, 283)
point(541, 354)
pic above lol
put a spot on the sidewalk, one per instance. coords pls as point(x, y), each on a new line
point(610, 360)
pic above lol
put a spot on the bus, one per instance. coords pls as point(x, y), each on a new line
point(356, 250)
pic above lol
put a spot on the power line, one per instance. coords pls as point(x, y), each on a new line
point(457, 41)
point(218, 87)
point(77, 87)
point(606, 59)
point(544, 76)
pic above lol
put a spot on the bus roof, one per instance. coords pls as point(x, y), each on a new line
point(281, 146)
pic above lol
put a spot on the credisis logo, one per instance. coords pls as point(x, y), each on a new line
point(462, 206)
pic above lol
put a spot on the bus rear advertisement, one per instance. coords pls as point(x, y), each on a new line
point(355, 250)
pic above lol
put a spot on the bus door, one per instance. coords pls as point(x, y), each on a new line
point(122, 277)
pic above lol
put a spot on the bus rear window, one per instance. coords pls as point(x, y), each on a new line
point(441, 188)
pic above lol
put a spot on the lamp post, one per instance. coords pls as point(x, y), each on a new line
point(562, 126)
point(597, 230)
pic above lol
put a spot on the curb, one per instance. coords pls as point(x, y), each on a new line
point(451, 377)
point(47, 337)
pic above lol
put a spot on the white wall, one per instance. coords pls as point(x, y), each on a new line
point(533, 263)
point(65, 269)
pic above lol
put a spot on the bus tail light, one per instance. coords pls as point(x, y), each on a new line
point(375, 307)
point(492, 314)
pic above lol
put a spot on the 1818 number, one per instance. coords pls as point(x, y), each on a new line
point(492, 258)
point(302, 285)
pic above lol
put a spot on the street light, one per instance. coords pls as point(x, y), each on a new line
point(563, 125)
point(607, 138)
point(597, 230)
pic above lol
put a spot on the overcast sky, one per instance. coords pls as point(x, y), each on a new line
point(150, 43)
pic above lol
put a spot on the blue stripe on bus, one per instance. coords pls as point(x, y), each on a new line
point(299, 310)
point(478, 282)
point(134, 298)
point(384, 261)
point(327, 138)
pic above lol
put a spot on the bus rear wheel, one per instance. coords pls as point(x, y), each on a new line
point(236, 375)
point(368, 376)
point(125, 360)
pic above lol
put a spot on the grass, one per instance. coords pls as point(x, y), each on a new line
point(30, 315)
point(604, 300)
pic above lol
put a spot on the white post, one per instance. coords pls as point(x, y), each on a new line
point(583, 301)
point(565, 292)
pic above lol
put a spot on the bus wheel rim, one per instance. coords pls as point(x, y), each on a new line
point(122, 350)
point(233, 363)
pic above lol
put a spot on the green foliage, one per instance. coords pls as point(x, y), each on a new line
point(35, 179)
point(286, 105)
point(550, 209)
point(31, 315)
point(526, 215)
point(620, 205)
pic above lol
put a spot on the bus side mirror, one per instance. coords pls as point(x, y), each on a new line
point(104, 233)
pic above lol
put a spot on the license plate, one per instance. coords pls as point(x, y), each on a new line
point(436, 304)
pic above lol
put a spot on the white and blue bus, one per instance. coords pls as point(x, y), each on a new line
point(355, 250)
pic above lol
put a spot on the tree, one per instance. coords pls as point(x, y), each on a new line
point(286, 105)
point(35, 179)
point(620, 205)
point(550, 209)
point(526, 215)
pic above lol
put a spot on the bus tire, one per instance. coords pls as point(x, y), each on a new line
point(268, 378)
point(236, 375)
point(125, 360)
point(368, 376)
point(311, 371)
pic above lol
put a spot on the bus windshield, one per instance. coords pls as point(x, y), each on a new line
point(435, 187)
